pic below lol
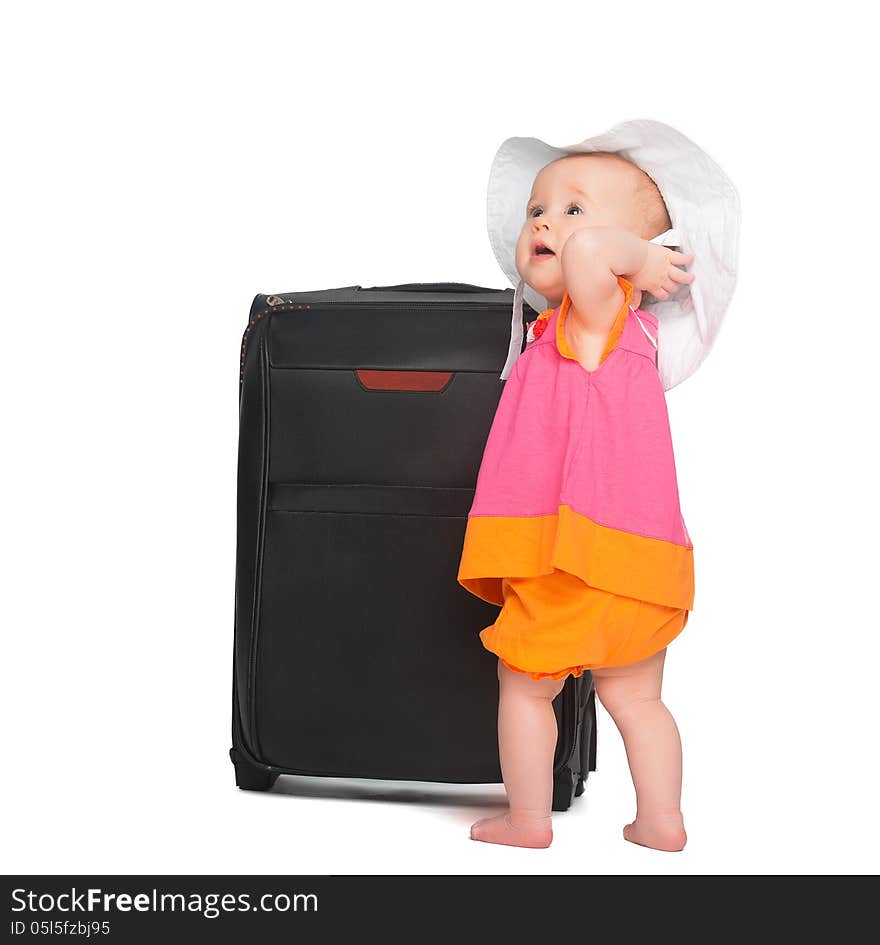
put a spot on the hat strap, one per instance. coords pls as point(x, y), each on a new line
point(516, 331)
point(651, 338)
point(669, 238)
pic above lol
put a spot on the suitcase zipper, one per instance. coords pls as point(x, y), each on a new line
point(367, 303)
point(277, 305)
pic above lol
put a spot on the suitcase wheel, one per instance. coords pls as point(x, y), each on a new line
point(248, 776)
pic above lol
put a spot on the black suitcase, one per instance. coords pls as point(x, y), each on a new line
point(363, 417)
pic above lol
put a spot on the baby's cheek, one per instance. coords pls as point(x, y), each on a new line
point(564, 242)
point(577, 229)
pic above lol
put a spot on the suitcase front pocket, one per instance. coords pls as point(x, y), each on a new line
point(367, 663)
point(407, 430)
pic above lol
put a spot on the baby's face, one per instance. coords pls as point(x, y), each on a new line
point(568, 195)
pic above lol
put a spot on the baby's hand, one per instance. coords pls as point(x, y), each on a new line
point(660, 274)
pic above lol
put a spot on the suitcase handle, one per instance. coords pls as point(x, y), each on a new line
point(427, 287)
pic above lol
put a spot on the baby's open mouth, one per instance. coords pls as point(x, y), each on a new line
point(542, 250)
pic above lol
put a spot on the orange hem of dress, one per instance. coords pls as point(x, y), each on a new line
point(625, 563)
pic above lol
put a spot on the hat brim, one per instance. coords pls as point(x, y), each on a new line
point(703, 205)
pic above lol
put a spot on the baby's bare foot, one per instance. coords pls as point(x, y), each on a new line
point(659, 832)
point(535, 832)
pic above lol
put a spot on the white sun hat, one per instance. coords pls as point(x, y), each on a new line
point(704, 209)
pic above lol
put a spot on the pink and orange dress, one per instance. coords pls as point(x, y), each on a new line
point(576, 530)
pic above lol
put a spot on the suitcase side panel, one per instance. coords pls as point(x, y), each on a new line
point(252, 492)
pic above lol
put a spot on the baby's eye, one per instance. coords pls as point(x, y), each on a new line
point(574, 206)
point(534, 210)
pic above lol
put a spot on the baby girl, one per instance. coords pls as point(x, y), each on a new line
point(576, 529)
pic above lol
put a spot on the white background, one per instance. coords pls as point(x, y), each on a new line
point(166, 161)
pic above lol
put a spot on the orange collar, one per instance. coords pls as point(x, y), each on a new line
point(613, 335)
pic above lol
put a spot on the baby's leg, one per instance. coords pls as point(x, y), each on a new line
point(631, 694)
point(527, 736)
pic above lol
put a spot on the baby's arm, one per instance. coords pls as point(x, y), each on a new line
point(593, 258)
